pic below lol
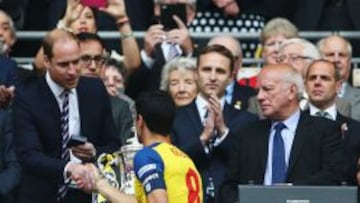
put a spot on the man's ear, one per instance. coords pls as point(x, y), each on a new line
point(139, 121)
point(338, 86)
point(293, 91)
point(46, 61)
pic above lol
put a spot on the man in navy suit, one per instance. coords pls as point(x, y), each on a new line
point(59, 106)
point(204, 128)
point(10, 172)
point(322, 82)
point(8, 67)
point(289, 146)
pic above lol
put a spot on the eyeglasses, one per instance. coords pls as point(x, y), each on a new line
point(291, 58)
point(87, 59)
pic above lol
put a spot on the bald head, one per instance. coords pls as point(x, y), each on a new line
point(233, 45)
point(280, 87)
point(55, 36)
point(338, 50)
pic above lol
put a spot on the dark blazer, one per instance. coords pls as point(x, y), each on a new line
point(122, 117)
point(351, 139)
point(304, 21)
point(241, 95)
point(146, 78)
point(351, 142)
point(10, 172)
point(315, 159)
point(37, 136)
point(186, 132)
point(8, 69)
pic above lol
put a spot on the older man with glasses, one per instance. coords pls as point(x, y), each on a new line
point(300, 53)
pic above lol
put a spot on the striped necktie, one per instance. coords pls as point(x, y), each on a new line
point(173, 52)
point(323, 114)
point(65, 152)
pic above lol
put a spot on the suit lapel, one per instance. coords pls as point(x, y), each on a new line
point(299, 139)
point(49, 105)
point(82, 99)
point(263, 138)
point(193, 114)
point(228, 114)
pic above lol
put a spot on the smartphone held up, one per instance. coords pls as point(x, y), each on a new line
point(168, 11)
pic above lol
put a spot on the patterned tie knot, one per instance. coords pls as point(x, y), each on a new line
point(323, 114)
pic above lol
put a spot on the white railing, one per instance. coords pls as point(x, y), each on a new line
point(38, 35)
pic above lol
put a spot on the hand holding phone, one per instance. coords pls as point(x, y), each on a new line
point(83, 149)
point(76, 140)
point(168, 11)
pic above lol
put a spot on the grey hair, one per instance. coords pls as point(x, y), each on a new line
point(292, 77)
point(309, 49)
point(11, 24)
point(236, 42)
point(278, 26)
point(180, 63)
point(320, 44)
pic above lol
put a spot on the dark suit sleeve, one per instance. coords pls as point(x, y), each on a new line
point(332, 162)
point(125, 123)
point(228, 190)
point(8, 75)
point(107, 141)
point(11, 173)
point(28, 145)
point(193, 148)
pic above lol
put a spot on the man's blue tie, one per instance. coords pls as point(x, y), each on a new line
point(65, 152)
point(278, 156)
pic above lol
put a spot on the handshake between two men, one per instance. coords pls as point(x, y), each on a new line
point(88, 179)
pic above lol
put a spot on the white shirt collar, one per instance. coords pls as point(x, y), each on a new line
point(342, 90)
point(55, 88)
point(291, 122)
point(331, 110)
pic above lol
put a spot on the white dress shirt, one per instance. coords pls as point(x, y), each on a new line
point(74, 115)
point(287, 135)
point(342, 89)
point(229, 91)
point(165, 47)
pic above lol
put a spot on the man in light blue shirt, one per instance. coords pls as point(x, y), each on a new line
point(305, 150)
